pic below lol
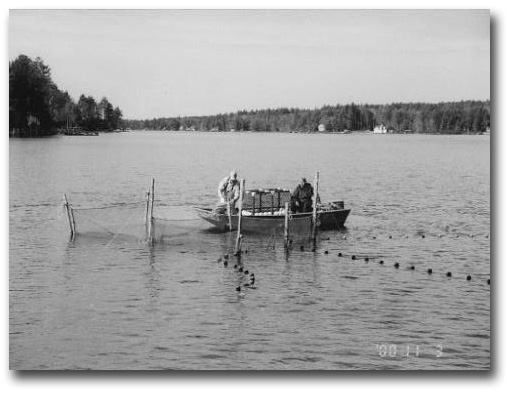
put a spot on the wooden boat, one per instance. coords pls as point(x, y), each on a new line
point(263, 212)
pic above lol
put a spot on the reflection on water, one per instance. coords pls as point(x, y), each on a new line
point(112, 302)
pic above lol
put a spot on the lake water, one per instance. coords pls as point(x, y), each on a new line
point(113, 302)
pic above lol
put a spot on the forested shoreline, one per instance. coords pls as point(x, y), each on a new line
point(463, 117)
point(37, 107)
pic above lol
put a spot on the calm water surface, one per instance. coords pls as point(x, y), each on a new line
point(111, 302)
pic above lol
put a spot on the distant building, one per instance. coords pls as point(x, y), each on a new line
point(381, 129)
point(321, 127)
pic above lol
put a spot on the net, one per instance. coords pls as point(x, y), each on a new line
point(140, 221)
point(132, 222)
point(300, 228)
point(174, 223)
point(110, 221)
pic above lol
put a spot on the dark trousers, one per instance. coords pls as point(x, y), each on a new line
point(301, 207)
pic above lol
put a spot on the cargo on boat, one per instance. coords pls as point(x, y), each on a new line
point(264, 210)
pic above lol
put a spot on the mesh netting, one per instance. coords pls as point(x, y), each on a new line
point(131, 221)
point(300, 228)
point(152, 222)
point(111, 221)
point(175, 223)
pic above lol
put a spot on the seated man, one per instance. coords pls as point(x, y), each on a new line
point(228, 189)
point(301, 199)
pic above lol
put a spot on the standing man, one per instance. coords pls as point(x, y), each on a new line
point(302, 197)
point(228, 189)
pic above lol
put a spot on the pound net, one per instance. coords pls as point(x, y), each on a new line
point(110, 221)
point(132, 220)
point(137, 221)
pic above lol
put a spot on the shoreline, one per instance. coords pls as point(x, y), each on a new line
point(348, 133)
point(358, 132)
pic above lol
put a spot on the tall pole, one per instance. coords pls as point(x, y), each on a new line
point(147, 221)
point(238, 241)
point(67, 208)
point(315, 208)
point(151, 236)
point(287, 217)
point(229, 214)
point(73, 221)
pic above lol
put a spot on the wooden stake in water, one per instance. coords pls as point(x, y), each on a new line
point(73, 221)
point(238, 241)
point(229, 213)
point(287, 217)
point(315, 208)
point(147, 221)
point(151, 235)
point(67, 208)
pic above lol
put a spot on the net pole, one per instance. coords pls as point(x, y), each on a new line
point(147, 221)
point(73, 222)
point(151, 217)
point(66, 204)
point(238, 241)
point(229, 214)
point(315, 208)
point(287, 231)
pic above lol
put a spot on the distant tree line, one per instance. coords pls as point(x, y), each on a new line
point(38, 108)
point(463, 117)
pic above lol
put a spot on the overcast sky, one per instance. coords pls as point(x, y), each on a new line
point(156, 63)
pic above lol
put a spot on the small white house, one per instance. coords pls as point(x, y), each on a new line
point(321, 127)
point(381, 129)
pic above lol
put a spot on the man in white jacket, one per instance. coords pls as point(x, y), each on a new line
point(228, 189)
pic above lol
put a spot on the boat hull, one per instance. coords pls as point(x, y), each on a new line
point(327, 220)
